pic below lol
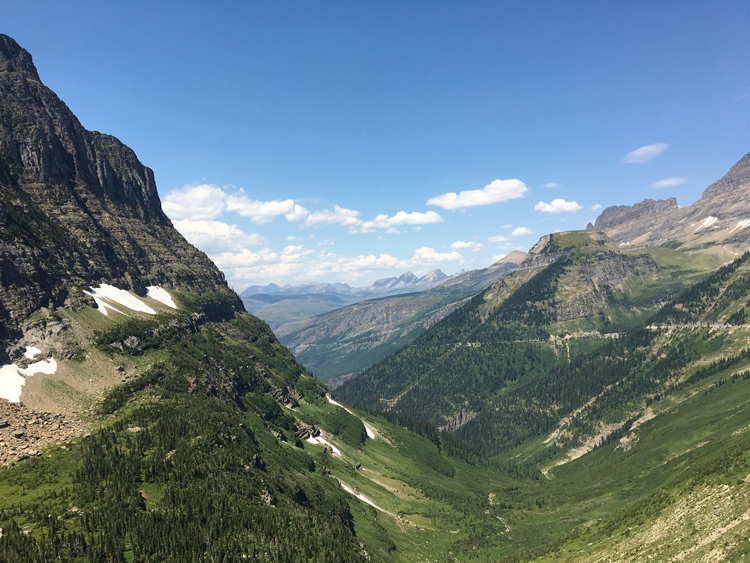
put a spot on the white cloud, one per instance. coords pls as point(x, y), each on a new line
point(294, 237)
point(596, 207)
point(327, 243)
point(205, 202)
point(197, 203)
point(337, 215)
point(473, 245)
point(495, 192)
point(558, 205)
point(215, 236)
point(427, 255)
point(383, 221)
point(498, 238)
point(551, 185)
point(261, 212)
point(669, 182)
point(521, 231)
point(243, 259)
point(645, 153)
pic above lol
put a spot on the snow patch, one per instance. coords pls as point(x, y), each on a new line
point(13, 378)
point(161, 295)
point(370, 432)
point(360, 496)
point(32, 352)
point(741, 225)
point(104, 294)
point(322, 442)
point(707, 222)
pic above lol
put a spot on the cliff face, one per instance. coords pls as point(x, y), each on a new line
point(718, 218)
point(77, 208)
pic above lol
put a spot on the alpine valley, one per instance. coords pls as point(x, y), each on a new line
point(584, 401)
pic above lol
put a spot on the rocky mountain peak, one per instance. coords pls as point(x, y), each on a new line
point(718, 219)
point(513, 257)
point(617, 214)
point(77, 209)
point(16, 59)
point(737, 177)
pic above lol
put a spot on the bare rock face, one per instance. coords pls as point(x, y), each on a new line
point(77, 208)
point(719, 218)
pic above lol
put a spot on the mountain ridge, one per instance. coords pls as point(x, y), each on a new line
point(718, 219)
point(78, 209)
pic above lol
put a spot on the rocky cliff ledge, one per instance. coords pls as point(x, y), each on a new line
point(77, 208)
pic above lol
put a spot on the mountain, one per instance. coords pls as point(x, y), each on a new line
point(574, 291)
point(77, 208)
point(169, 402)
point(170, 425)
point(286, 309)
point(346, 340)
point(719, 220)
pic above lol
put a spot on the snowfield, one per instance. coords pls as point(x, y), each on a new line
point(741, 225)
point(105, 295)
point(707, 222)
point(161, 295)
point(13, 378)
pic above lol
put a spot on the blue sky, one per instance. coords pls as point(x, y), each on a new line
point(349, 141)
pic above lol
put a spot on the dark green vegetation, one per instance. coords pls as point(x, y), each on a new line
point(532, 348)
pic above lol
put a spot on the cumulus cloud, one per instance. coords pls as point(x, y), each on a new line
point(558, 205)
point(215, 236)
point(261, 212)
point(337, 215)
point(645, 153)
point(473, 245)
point(498, 238)
point(427, 255)
point(383, 221)
point(205, 202)
point(196, 203)
point(551, 185)
point(596, 207)
point(494, 192)
point(243, 258)
point(669, 182)
point(521, 231)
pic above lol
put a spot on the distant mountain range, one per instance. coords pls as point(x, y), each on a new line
point(287, 308)
point(349, 339)
point(379, 288)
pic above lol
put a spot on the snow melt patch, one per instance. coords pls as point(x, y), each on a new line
point(707, 222)
point(322, 442)
point(368, 429)
point(108, 293)
point(32, 352)
point(360, 496)
point(741, 225)
point(161, 295)
point(13, 378)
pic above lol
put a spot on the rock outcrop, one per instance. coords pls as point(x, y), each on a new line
point(721, 217)
point(77, 208)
